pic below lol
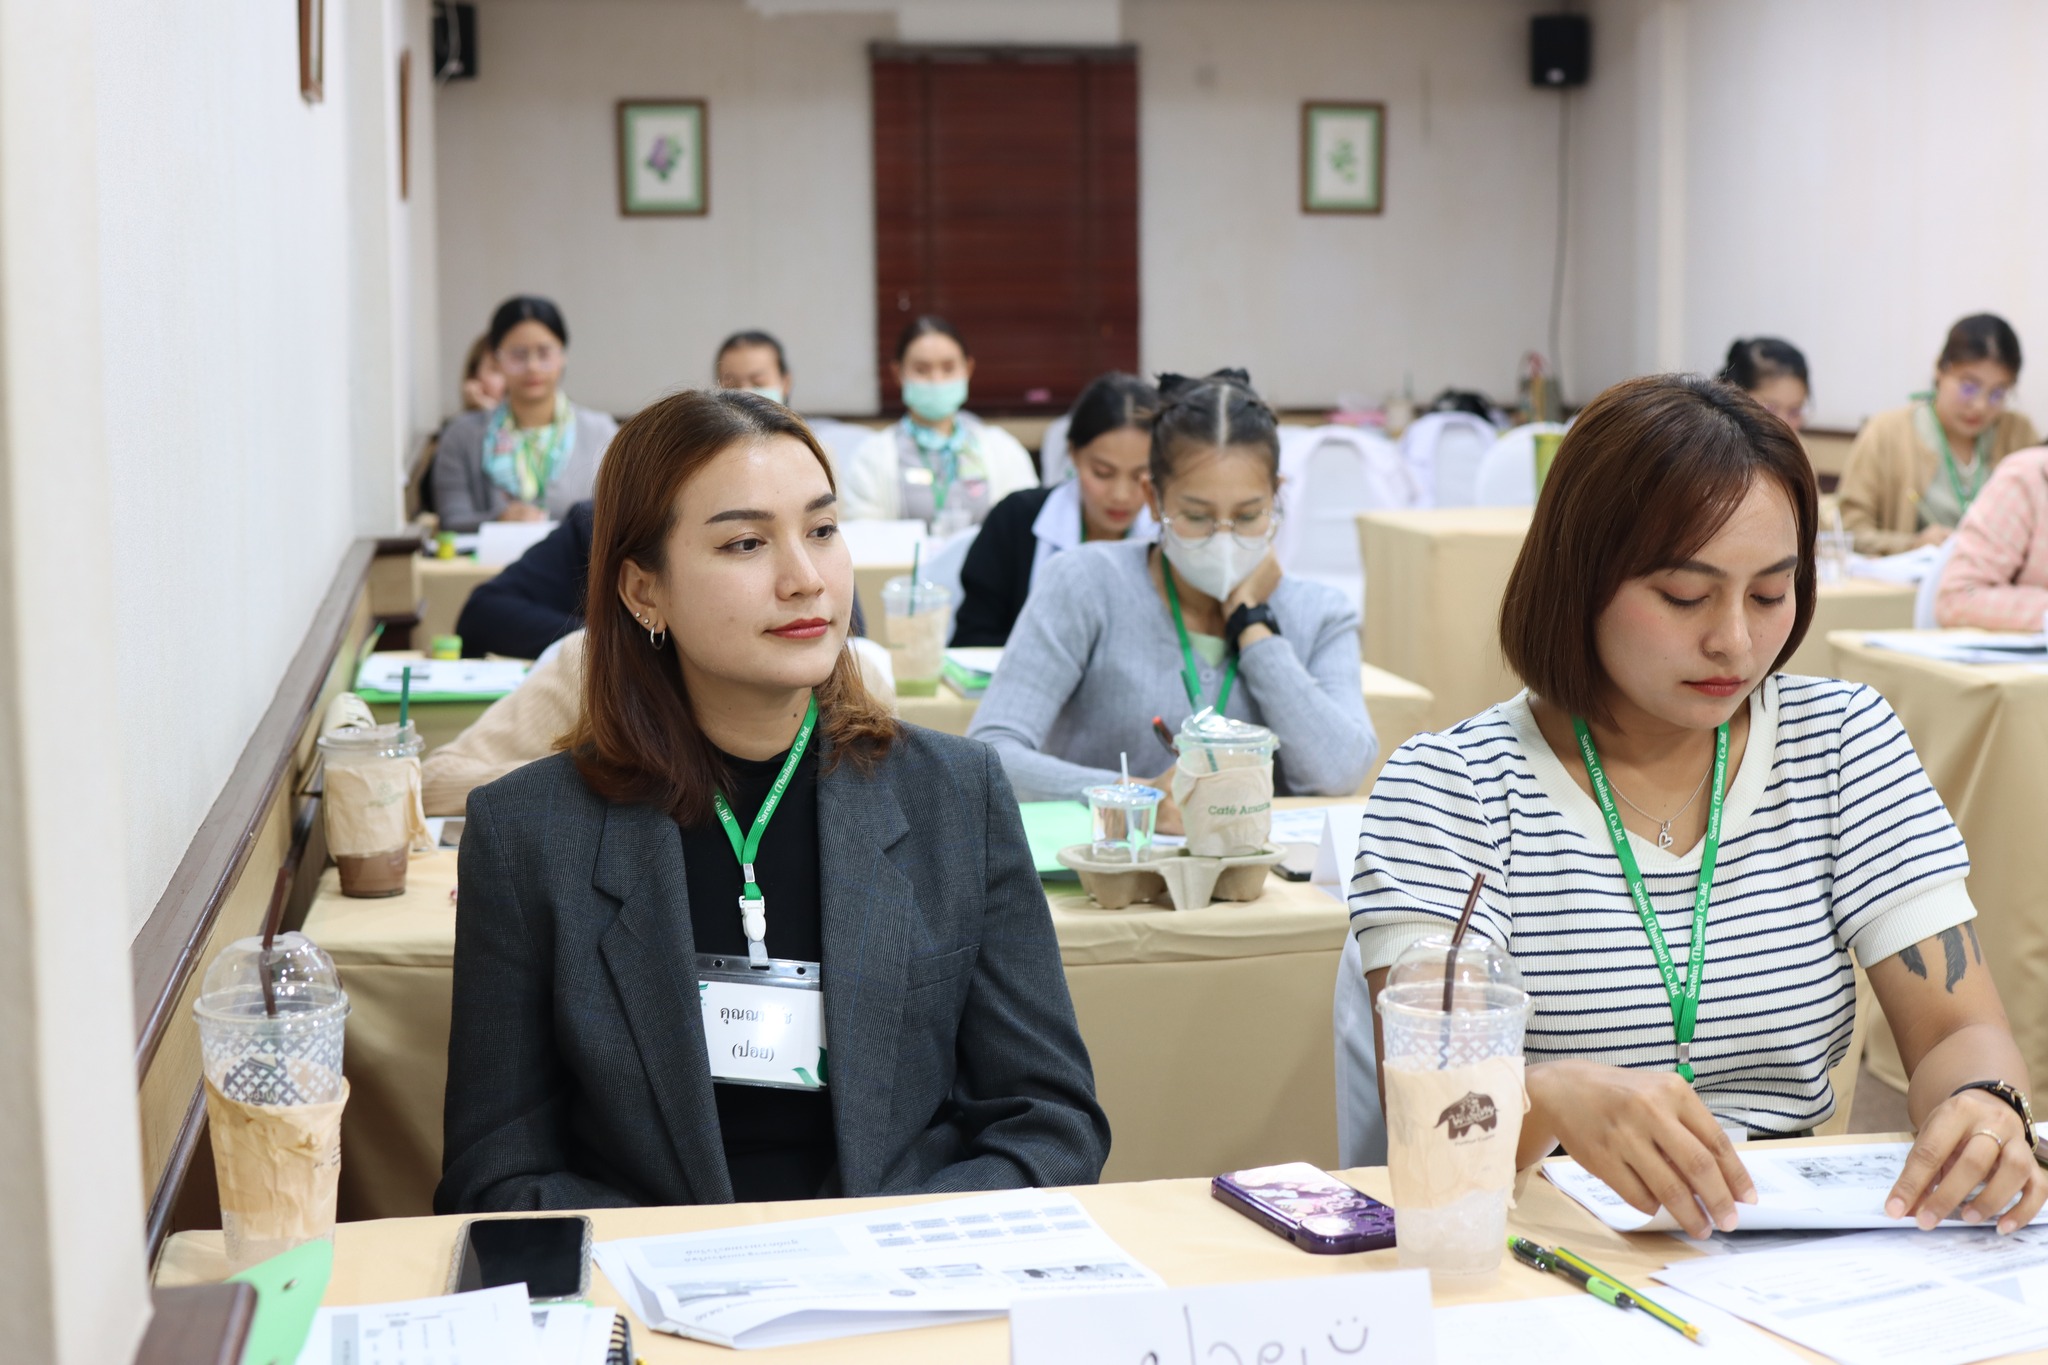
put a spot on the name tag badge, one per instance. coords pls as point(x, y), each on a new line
point(763, 1027)
point(917, 475)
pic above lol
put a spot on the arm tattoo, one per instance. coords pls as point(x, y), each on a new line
point(1910, 959)
point(1956, 956)
point(1970, 928)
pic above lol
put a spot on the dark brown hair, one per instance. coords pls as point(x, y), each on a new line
point(1649, 473)
point(1217, 411)
point(638, 739)
point(1981, 336)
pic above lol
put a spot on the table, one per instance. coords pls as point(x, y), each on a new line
point(1399, 709)
point(445, 586)
point(1171, 1226)
point(436, 722)
point(1434, 579)
point(1982, 734)
point(1194, 1079)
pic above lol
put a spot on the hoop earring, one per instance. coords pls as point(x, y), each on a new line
point(657, 637)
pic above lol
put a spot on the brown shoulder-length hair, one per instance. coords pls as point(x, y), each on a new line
point(1649, 473)
point(638, 738)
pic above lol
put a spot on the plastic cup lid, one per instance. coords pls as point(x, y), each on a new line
point(1125, 796)
point(302, 978)
point(391, 739)
point(1215, 731)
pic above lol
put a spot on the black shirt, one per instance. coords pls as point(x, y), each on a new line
point(779, 1144)
point(996, 577)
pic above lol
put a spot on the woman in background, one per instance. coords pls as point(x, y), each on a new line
point(483, 387)
point(1117, 633)
point(533, 455)
point(1996, 577)
point(1913, 471)
point(754, 361)
point(1110, 435)
point(1773, 372)
point(941, 464)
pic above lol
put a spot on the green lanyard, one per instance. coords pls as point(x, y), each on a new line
point(753, 909)
point(1189, 678)
point(1955, 476)
point(1685, 997)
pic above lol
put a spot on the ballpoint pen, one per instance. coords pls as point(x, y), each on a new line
point(1596, 1282)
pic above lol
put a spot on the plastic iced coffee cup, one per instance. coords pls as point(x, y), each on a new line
point(1224, 784)
point(371, 805)
point(1455, 1100)
point(270, 1035)
point(917, 615)
point(1124, 815)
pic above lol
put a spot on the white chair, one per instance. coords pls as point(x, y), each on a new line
point(1361, 1122)
point(1507, 472)
point(1054, 463)
point(1442, 452)
point(944, 559)
point(1930, 588)
point(840, 439)
point(1332, 474)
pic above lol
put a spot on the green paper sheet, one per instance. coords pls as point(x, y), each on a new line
point(288, 1292)
point(1050, 826)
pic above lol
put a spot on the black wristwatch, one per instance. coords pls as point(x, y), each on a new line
point(2017, 1099)
point(1246, 616)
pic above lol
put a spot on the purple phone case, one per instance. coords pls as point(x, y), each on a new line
point(1320, 1214)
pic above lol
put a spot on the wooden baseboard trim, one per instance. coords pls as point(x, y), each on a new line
point(167, 949)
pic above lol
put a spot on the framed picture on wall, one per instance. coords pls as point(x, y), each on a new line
point(312, 50)
point(1343, 156)
point(663, 163)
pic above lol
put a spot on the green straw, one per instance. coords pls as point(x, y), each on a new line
point(404, 695)
point(916, 554)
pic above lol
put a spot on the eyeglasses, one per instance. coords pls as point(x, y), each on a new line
point(1200, 526)
point(530, 358)
point(1969, 390)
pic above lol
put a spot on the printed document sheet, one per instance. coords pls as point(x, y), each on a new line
point(880, 1271)
point(1946, 1297)
point(1798, 1189)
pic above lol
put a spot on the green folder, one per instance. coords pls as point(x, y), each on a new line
point(1050, 826)
point(288, 1292)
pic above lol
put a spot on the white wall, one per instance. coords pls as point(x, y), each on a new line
point(529, 193)
point(1232, 272)
point(253, 298)
point(1853, 175)
point(72, 1280)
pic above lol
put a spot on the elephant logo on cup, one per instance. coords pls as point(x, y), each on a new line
point(1473, 1111)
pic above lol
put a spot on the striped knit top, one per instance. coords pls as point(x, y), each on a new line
point(1833, 841)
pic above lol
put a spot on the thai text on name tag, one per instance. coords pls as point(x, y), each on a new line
point(760, 1034)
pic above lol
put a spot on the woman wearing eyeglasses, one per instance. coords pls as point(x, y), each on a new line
point(1118, 632)
point(1915, 470)
point(535, 453)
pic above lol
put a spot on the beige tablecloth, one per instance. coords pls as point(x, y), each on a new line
point(1398, 708)
point(1982, 734)
point(1173, 1227)
point(1209, 1030)
point(1433, 585)
point(445, 585)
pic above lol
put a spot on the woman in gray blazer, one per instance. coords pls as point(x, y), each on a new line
point(535, 453)
point(748, 937)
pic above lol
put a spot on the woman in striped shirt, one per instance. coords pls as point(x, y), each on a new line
point(1660, 782)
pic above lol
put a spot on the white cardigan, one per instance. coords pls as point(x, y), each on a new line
point(870, 487)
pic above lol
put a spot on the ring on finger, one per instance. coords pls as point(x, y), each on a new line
point(1986, 1132)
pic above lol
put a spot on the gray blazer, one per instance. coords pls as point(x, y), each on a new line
point(577, 1075)
point(465, 497)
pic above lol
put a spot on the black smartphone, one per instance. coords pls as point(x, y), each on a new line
point(1310, 1208)
point(550, 1256)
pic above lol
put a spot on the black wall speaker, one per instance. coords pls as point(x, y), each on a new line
point(454, 42)
point(1560, 50)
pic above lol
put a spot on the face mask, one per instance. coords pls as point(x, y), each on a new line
point(935, 402)
point(772, 393)
point(1216, 565)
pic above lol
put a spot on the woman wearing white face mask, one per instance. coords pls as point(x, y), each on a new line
point(1116, 633)
point(940, 464)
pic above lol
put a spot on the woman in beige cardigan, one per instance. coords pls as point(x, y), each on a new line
point(1914, 471)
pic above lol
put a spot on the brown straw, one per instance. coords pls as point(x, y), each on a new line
point(271, 915)
point(1458, 936)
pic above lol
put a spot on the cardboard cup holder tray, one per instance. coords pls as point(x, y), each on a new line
point(1171, 877)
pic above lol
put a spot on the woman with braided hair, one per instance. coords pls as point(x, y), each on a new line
point(1118, 632)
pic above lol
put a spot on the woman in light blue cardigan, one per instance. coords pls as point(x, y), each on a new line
point(1115, 634)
